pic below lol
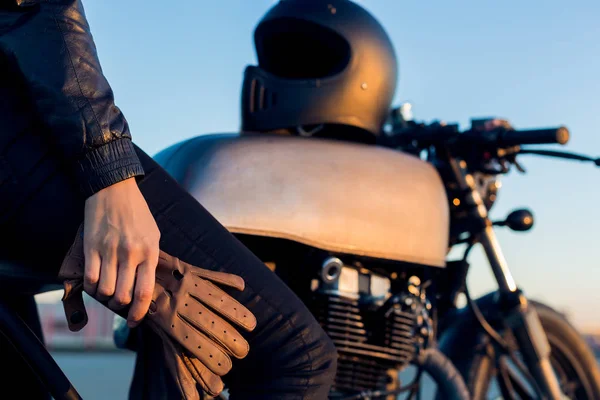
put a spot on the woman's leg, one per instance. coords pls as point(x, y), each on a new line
point(15, 370)
point(291, 357)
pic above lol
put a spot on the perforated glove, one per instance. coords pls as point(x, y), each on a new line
point(188, 311)
point(188, 371)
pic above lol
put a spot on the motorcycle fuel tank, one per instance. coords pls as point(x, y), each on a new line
point(337, 196)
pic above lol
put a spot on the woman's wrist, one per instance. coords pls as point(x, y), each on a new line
point(107, 165)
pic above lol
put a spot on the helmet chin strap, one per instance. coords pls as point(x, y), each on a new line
point(307, 133)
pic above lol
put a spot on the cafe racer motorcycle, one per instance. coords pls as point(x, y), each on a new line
point(362, 233)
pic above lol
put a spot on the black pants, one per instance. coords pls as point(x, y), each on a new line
point(290, 358)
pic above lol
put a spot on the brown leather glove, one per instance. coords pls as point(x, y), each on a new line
point(188, 312)
point(187, 371)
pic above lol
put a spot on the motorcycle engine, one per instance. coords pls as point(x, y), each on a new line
point(377, 333)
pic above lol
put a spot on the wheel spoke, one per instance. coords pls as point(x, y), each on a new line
point(513, 381)
point(519, 385)
point(570, 388)
point(504, 380)
point(416, 390)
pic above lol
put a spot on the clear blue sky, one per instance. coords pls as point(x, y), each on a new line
point(176, 69)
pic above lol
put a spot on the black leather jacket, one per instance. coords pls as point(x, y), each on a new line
point(46, 46)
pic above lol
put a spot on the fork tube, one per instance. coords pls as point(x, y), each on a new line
point(499, 266)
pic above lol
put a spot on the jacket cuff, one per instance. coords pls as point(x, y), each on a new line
point(106, 165)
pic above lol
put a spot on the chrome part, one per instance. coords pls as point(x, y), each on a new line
point(497, 260)
point(332, 268)
point(475, 197)
point(380, 286)
point(348, 283)
point(398, 119)
point(345, 281)
point(406, 111)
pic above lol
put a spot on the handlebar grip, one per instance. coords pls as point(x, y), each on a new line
point(558, 135)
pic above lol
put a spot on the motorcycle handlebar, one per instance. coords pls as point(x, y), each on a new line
point(558, 135)
point(433, 134)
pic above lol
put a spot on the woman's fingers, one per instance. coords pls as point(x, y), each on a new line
point(144, 289)
point(108, 269)
point(92, 270)
point(121, 272)
point(129, 256)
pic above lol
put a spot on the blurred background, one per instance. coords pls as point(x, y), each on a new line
point(176, 70)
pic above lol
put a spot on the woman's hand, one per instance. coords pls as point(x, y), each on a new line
point(121, 245)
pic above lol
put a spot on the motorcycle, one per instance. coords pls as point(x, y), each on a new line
point(362, 234)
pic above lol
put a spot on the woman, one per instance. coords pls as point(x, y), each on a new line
point(67, 157)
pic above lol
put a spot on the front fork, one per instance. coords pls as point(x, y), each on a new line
point(523, 321)
point(522, 318)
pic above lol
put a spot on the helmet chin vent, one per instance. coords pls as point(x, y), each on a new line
point(261, 98)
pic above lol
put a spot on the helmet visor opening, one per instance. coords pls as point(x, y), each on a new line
point(296, 49)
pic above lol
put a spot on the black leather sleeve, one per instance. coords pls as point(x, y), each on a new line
point(48, 43)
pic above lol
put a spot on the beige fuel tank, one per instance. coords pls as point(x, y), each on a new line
point(337, 196)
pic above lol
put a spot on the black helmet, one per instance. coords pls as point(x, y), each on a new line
point(320, 62)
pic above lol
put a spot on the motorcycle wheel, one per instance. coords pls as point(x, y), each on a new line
point(572, 359)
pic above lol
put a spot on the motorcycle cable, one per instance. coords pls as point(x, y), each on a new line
point(489, 329)
point(560, 154)
point(484, 323)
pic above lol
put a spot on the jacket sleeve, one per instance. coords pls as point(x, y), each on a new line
point(49, 44)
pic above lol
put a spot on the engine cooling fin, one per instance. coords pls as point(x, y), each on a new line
point(368, 343)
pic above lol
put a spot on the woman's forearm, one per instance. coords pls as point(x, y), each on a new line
point(49, 44)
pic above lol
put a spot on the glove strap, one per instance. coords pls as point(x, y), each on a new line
point(71, 273)
point(73, 305)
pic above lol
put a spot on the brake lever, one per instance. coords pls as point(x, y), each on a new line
point(518, 166)
point(510, 155)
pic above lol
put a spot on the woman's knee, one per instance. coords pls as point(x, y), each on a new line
point(305, 352)
point(325, 359)
point(315, 365)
